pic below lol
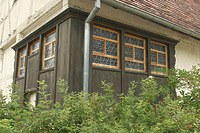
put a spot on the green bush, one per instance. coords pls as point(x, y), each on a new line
point(103, 113)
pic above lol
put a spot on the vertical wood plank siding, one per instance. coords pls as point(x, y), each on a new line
point(76, 55)
point(32, 72)
point(113, 77)
point(48, 76)
point(63, 55)
point(69, 57)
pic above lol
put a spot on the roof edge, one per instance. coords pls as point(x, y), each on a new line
point(136, 11)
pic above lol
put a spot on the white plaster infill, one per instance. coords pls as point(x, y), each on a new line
point(48, 11)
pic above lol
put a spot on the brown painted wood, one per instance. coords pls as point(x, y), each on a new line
point(76, 55)
point(69, 59)
point(113, 77)
point(32, 72)
point(39, 66)
point(122, 59)
point(56, 61)
point(171, 53)
point(129, 77)
point(48, 76)
point(63, 53)
point(148, 56)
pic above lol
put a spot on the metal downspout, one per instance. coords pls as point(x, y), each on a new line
point(87, 47)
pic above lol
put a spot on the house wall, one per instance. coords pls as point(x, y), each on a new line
point(25, 16)
point(187, 54)
point(17, 21)
point(186, 50)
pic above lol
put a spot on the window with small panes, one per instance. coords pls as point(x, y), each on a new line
point(49, 44)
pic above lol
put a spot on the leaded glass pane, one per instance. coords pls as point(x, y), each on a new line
point(153, 57)
point(49, 63)
point(35, 46)
point(104, 60)
point(128, 52)
point(98, 46)
point(139, 54)
point(111, 48)
point(161, 59)
point(127, 39)
point(48, 51)
point(54, 48)
point(23, 52)
point(22, 72)
point(104, 33)
point(134, 41)
point(156, 68)
point(157, 47)
point(34, 52)
point(134, 65)
point(22, 62)
point(51, 37)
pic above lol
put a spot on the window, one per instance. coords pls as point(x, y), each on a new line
point(158, 56)
point(135, 53)
point(106, 53)
point(21, 62)
point(105, 47)
point(49, 45)
point(34, 47)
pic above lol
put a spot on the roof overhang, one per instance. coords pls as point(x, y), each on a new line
point(136, 11)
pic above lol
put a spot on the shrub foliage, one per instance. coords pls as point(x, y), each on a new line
point(103, 113)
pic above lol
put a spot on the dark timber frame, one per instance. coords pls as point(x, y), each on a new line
point(69, 57)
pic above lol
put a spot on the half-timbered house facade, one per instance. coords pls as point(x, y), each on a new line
point(128, 40)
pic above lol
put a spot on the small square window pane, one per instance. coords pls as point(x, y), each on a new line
point(104, 60)
point(161, 59)
point(105, 33)
point(129, 52)
point(139, 54)
point(49, 63)
point(157, 47)
point(35, 46)
point(54, 48)
point(134, 65)
point(134, 41)
point(111, 48)
point(153, 57)
point(22, 72)
point(23, 52)
point(48, 51)
point(22, 62)
point(157, 68)
point(51, 37)
point(98, 46)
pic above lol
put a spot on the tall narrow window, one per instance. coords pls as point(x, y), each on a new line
point(158, 57)
point(21, 62)
point(34, 47)
point(105, 47)
point(49, 46)
point(135, 53)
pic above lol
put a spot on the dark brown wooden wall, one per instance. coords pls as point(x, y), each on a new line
point(76, 55)
point(32, 72)
point(110, 76)
point(63, 54)
point(70, 55)
point(49, 80)
point(69, 60)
